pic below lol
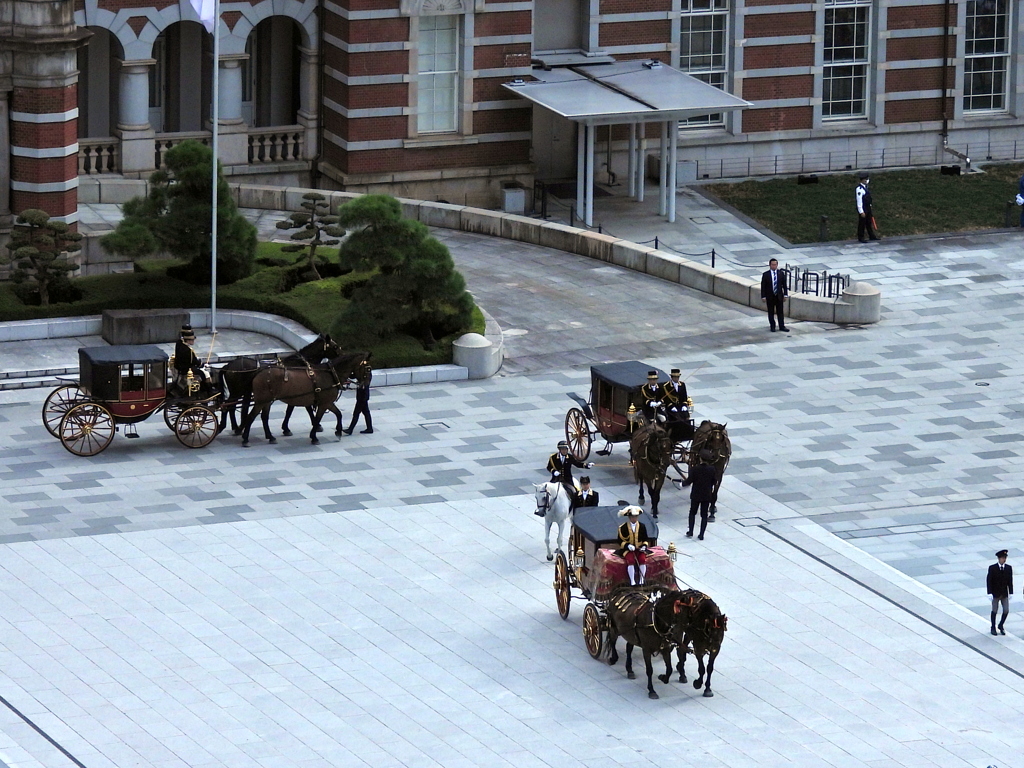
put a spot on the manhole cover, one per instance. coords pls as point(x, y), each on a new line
point(434, 425)
point(515, 332)
point(702, 220)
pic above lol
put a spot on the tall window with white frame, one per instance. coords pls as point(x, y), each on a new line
point(703, 49)
point(986, 55)
point(845, 75)
point(438, 76)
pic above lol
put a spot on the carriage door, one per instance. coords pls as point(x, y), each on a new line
point(156, 381)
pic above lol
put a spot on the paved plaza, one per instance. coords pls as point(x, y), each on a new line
point(384, 600)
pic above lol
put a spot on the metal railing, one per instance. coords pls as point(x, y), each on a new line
point(99, 156)
point(829, 285)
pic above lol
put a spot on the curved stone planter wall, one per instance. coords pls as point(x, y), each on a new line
point(860, 303)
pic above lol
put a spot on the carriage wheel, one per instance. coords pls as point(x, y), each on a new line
point(561, 585)
point(680, 454)
point(86, 429)
point(577, 434)
point(196, 427)
point(593, 635)
point(171, 413)
point(59, 402)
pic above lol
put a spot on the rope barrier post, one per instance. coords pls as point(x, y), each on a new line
point(712, 258)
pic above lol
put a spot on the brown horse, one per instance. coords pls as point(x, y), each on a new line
point(715, 438)
point(701, 626)
point(362, 375)
point(651, 450)
point(317, 386)
point(650, 625)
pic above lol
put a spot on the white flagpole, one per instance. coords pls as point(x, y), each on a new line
point(216, 127)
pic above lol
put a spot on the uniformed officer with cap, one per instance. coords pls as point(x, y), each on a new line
point(588, 497)
point(560, 465)
point(650, 397)
point(1000, 586)
point(674, 395)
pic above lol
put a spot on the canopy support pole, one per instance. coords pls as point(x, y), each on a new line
point(589, 191)
point(673, 155)
point(641, 156)
point(632, 160)
point(663, 177)
point(581, 168)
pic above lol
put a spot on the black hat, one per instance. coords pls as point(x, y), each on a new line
point(1002, 553)
point(585, 480)
point(562, 444)
point(652, 374)
point(864, 175)
point(674, 372)
point(187, 332)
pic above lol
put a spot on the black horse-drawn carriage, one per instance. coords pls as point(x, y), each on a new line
point(614, 410)
point(123, 385)
point(592, 567)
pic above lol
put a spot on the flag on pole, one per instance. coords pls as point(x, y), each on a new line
point(206, 13)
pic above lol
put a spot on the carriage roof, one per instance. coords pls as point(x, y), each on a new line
point(601, 524)
point(118, 355)
point(631, 374)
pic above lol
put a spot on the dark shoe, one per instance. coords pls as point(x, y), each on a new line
point(366, 432)
point(1002, 631)
point(689, 534)
point(701, 537)
point(784, 330)
point(993, 630)
point(773, 330)
point(859, 241)
point(347, 431)
point(711, 519)
point(655, 515)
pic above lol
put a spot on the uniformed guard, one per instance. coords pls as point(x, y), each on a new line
point(633, 545)
point(674, 396)
point(587, 496)
point(650, 397)
point(999, 584)
point(560, 465)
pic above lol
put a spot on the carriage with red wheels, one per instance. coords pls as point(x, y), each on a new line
point(614, 411)
point(593, 567)
point(119, 386)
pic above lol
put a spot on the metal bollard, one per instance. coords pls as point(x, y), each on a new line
point(823, 229)
point(712, 258)
point(655, 237)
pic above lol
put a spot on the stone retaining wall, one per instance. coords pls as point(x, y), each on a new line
point(861, 303)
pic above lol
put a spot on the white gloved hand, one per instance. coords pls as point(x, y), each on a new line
point(1020, 200)
point(656, 403)
point(631, 548)
point(556, 473)
point(590, 465)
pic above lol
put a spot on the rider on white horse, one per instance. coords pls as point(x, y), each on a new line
point(560, 466)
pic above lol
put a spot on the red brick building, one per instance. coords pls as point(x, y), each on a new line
point(405, 96)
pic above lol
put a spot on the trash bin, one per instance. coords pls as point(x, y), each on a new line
point(513, 198)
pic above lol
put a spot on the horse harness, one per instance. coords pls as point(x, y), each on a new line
point(548, 498)
point(622, 603)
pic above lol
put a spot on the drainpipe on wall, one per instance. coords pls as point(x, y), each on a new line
point(947, 61)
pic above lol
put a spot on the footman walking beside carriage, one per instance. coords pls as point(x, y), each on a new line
point(999, 584)
point(702, 479)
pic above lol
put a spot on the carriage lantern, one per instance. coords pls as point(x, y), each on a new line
point(632, 416)
point(672, 552)
point(579, 557)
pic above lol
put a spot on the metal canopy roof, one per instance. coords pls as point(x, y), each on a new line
point(624, 92)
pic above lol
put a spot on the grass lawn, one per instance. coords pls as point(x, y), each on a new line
point(905, 202)
point(314, 304)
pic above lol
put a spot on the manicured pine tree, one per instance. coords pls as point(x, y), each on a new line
point(312, 226)
point(39, 249)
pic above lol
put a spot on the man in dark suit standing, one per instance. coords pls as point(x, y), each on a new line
point(774, 293)
point(1000, 586)
point(587, 496)
point(702, 479)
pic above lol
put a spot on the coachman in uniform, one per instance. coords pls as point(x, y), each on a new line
point(1000, 586)
point(673, 395)
point(186, 359)
point(633, 544)
point(588, 497)
point(650, 397)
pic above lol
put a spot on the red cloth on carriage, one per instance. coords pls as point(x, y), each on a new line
point(609, 572)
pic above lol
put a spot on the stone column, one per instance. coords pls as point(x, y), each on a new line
point(309, 98)
point(43, 43)
point(234, 133)
point(138, 142)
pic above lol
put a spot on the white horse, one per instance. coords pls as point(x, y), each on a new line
point(553, 502)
